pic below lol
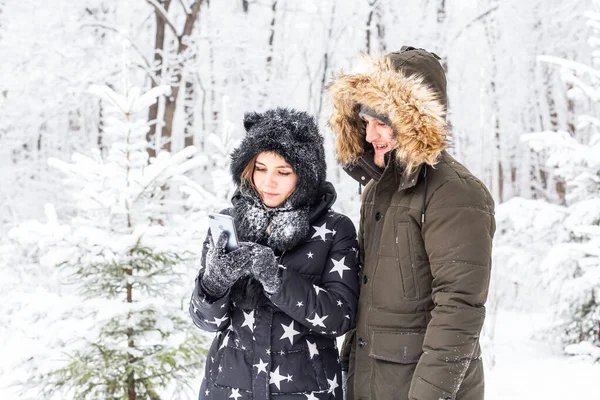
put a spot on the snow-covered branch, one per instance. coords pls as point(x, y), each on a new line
point(164, 15)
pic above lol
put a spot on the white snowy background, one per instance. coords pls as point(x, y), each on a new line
point(524, 89)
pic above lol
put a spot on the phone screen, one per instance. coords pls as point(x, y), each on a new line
point(223, 223)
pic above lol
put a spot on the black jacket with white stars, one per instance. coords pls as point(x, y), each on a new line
point(283, 346)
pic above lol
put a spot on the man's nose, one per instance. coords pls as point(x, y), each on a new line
point(371, 131)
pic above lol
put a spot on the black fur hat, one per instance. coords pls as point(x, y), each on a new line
point(293, 135)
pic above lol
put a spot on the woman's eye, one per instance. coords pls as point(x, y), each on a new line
point(284, 173)
point(259, 169)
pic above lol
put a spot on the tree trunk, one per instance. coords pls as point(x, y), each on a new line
point(326, 62)
point(498, 182)
point(368, 28)
point(171, 101)
point(159, 46)
point(270, 52)
point(188, 109)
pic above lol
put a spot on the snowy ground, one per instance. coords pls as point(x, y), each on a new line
point(529, 369)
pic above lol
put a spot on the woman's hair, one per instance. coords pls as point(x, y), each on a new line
point(246, 177)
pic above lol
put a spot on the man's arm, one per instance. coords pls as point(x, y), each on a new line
point(458, 232)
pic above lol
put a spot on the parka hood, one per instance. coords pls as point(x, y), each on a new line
point(409, 87)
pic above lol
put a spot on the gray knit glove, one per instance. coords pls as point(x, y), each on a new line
point(223, 269)
point(264, 267)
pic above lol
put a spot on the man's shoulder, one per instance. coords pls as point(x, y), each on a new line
point(452, 180)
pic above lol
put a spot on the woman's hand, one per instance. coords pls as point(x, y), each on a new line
point(264, 267)
point(223, 269)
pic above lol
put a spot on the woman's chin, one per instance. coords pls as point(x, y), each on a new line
point(272, 203)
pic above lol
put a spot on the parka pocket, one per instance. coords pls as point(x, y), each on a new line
point(406, 261)
point(397, 347)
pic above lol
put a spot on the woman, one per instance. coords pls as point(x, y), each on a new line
point(279, 301)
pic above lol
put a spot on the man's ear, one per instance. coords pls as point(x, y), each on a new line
point(250, 119)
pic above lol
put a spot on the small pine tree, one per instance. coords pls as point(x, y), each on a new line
point(126, 250)
point(573, 268)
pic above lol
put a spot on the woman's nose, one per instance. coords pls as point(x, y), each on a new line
point(269, 180)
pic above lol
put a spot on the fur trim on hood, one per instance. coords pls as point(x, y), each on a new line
point(390, 87)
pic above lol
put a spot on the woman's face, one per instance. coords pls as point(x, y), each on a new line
point(274, 179)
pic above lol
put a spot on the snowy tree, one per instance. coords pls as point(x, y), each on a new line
point(572, 268)
point(127, 251)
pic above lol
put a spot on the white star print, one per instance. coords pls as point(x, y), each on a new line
point(312, 348)
point(311, 396)
point(333, 232)
point(262, 366)
point(225, 341)
point(282, 353)
point(268, 351)
point(339, 303)
point(222, 305)
point(332, 384)
point(289, 332)
point(220, 368)
point(207, 392)
point(318, 321)
point(347, 316)
point(235, 394)
point(310, 254)
point(249, 320)
point(289, 378)
point(321, 231)
point(319, 289)
point(299, 304)
point(218, 321)
point(276, 378)
point(339, 267)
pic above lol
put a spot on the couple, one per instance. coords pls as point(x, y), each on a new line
point(409, 289)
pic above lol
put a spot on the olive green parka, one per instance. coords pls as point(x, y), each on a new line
point(426, 230)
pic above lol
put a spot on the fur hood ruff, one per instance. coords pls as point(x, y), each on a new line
point(414, 109)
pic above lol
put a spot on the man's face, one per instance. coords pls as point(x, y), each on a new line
point(381, 136)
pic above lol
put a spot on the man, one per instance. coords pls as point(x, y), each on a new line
point(426, 230)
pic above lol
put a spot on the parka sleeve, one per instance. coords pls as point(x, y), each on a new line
point(208, 313)
point(329, 308)
point(458, 231)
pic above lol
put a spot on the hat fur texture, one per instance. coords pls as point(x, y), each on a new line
point(293, 135)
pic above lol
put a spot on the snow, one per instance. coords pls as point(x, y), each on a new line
point(63, 196)
point(528, 368)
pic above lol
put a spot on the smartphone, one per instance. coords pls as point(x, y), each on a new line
point(223, 223)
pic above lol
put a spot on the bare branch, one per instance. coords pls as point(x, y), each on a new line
point(162, 13)
point(148, 65)
point(478, 18)
point(186, 9)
